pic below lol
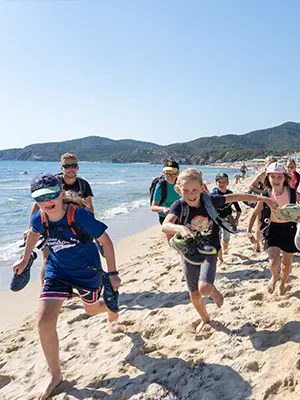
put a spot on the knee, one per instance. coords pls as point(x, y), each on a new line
point(205, 288)
point(45, 323)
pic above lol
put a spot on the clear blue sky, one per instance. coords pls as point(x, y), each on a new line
point(161, 70)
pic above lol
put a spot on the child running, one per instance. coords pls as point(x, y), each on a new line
point(222, 182)
point(73, 262)
point(279, 235)
point(200, 278)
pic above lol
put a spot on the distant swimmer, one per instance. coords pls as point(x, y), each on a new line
point(24, 173)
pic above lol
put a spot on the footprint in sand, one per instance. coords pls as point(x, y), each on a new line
point(79, 317)
point(256, 296)
point(4, 380)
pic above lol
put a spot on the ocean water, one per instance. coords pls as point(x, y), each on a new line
point(121, 200)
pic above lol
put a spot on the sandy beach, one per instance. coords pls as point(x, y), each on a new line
point(250, 350)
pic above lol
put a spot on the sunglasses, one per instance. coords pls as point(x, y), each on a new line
point(170, 175)
point(50, 196)
point(69, 166)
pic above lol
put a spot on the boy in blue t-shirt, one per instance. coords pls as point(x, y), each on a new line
point(170, 172)
point(73, 262)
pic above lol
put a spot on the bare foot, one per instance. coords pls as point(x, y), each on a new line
point(112, 316)
point(282, 289)
point(257, 249)
point(271, 285)
point(54, 382)
point(217, 297)
point(202, 324)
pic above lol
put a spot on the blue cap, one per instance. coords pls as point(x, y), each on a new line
point(45, 184)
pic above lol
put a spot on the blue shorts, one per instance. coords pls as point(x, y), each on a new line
point(59, 289)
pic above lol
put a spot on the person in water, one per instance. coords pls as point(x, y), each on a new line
point(200, 279)
point(279, 235)
point(72, 263)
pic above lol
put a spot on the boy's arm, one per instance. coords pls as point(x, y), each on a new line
point(230, 198)
point(155, 207)
point(32, 239)
point(108, 249)
point(170, 228)
point(89, 201)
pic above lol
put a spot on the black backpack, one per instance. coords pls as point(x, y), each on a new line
point(163, 185)
point(81, 183)
point(266, 212)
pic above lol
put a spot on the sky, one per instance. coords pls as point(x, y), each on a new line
point(162, 71)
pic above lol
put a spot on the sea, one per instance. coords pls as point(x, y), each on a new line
point(121, 200)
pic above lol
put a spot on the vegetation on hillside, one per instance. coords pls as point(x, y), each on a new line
point(278, 140)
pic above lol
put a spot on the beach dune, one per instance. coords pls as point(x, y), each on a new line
point(250, 350)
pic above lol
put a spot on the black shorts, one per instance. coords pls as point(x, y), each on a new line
point(282, 235)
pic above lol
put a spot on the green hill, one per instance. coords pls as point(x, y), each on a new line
point(277, 140)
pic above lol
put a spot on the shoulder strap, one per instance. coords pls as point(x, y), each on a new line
point(293, 195)
point(82, 185)
point(163, 186)
point(71, 217)
point(212, 212)
point(45, 223)
point(185, 211)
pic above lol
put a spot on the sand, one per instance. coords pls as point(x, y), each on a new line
point(250, 350)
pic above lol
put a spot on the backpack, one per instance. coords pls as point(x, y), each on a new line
point(266, 212)
point(211, 211)
point(83, 237)
point(163, 185)
point(81, 183)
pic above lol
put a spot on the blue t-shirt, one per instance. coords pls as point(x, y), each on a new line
point(171, 196)
point(70, 259)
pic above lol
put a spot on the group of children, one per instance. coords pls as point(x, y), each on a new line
point(187, 219)
point(278, 188)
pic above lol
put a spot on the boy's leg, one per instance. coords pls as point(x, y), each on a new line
point(274, 262)
point(286, 265)
point(48, 311)
point(192, 273)
point(93, 305)
point(225, 240)
point(207, 278)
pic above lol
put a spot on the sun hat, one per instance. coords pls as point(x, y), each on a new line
point(276, 168)
point(44, 184)
point(171, 166)
point(221, 175)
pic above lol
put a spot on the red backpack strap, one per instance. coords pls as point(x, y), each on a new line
point(45, 223)
point(71, 217)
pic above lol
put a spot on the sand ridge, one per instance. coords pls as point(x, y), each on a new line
point(250, 350)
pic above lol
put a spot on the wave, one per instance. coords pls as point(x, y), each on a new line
point(107, 183)
point(123, 208)
point(10, 251)
point(14, 188)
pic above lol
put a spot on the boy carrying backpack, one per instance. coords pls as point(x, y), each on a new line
point(162, 192)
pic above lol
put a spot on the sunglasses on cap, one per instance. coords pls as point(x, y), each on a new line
point(69, 166)
point(50, 196)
